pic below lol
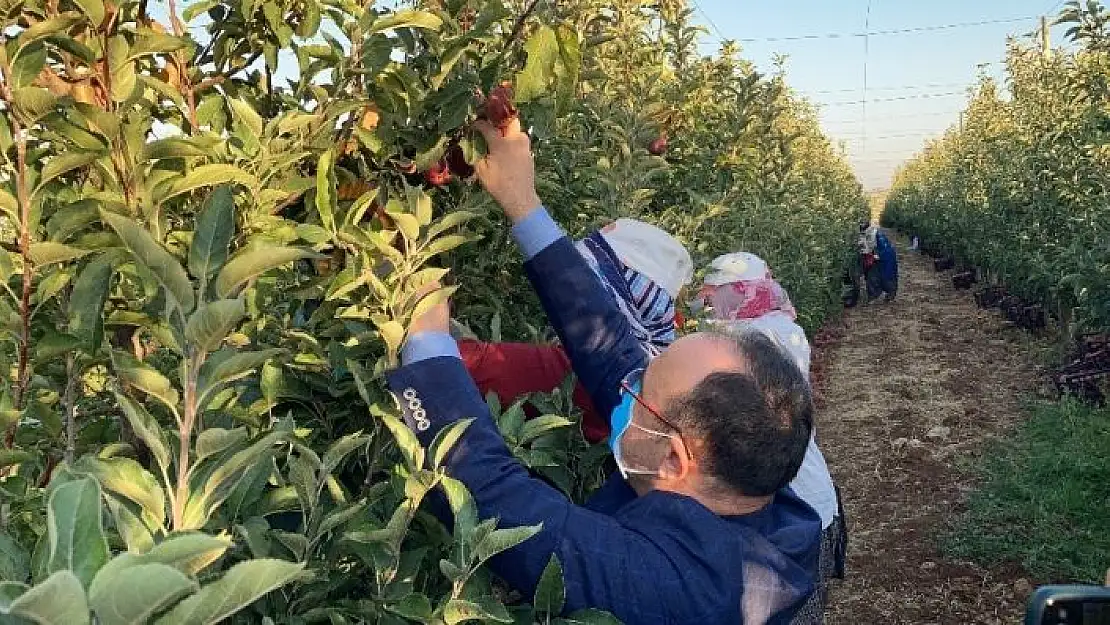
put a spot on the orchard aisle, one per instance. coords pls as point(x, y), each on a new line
point(910, 392)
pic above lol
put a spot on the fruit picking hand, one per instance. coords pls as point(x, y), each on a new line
point(437, 318)
point(508, 172)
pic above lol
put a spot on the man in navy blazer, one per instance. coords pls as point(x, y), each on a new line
point(699, 526)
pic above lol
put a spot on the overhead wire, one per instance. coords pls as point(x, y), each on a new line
point(709, 19)
point(920, 96)
point(866, 35)
point(879, 33)
point(935, 85)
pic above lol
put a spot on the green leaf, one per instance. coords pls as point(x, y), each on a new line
point(325, 187)
point(161, 264)
point(444, 244)
point(63, 164)
point(406, 440)
point(28, 65)
point(195, 9)
point(211, 323)
point(209, 176)
point(76, 540)
point(34, 102)
point(66, 43)
point(227, 476)
point(570, 67)
point(146, 378)
point(15, 562)
point(216, 373)
point(415, 607)
point(48, 27)
point(433, 299)
point(406, 19)
point(124, 82)
point(550, 592)
point(247, 115)
point(253, 262)
point(420, 204)
point(133, 530)
point(393, 333)
point(128, 479)
point(503, 540)
point(241, 586)
point(341, 448)
point(338, 517)
point(13, 457)
point(485, 609)
point(50, 252)
point(10, 206)
point(175, 147)
point(189, 553)
point(215, 227)
point(543, 51)
point(146, 428)
point(86, 301)
point(450, 220)
point(462, 505)
point(216, 440)
point(53, 283)
point(7, 269)
point(152, 43)
point(445, 440)
point(535, 428)
point(71, 219)
point(93, 9)
point(130, 593)
point(58, 600)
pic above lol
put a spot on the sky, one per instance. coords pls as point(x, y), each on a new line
point(916, 82)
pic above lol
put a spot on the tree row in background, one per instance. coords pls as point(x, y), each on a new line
point(1021, 188)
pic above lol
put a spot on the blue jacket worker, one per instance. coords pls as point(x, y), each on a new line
point(699, 525)
point(880, 262)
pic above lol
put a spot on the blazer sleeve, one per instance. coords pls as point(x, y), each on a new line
point(595, 334)
point(596, 551)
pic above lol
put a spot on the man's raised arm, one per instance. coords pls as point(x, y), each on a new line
point(595, 334)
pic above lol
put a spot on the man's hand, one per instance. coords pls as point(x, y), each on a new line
point(508, 172)
point(437, 318)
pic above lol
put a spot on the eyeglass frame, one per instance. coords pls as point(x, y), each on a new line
point(626, 387)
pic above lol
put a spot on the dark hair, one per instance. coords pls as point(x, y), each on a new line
point(754, 425)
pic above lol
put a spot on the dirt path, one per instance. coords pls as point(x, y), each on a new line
point(911, 391)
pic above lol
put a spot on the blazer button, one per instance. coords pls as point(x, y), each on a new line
point(421, 418)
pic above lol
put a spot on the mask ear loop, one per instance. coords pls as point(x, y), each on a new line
point(655, 413)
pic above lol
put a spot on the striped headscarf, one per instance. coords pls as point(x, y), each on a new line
point(650, 309)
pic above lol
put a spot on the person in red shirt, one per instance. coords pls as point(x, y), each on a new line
point(644, 269)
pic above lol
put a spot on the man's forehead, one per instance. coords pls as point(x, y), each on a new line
point(689, 361)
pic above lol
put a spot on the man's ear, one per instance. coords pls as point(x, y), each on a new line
point(678, 464)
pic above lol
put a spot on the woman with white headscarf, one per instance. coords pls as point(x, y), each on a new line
point(739, 294)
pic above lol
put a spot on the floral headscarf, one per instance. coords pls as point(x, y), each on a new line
point(740, 286)
point(743, 295)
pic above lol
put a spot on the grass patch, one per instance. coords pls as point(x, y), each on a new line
point(1044, 499)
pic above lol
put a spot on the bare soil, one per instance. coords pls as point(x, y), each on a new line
point(910, 393)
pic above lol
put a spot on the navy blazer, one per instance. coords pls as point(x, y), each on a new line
point(662, 558)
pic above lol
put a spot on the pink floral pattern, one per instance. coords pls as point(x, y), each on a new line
point(747, 299)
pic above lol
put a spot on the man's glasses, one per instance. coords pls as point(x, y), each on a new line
point(628, 385)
